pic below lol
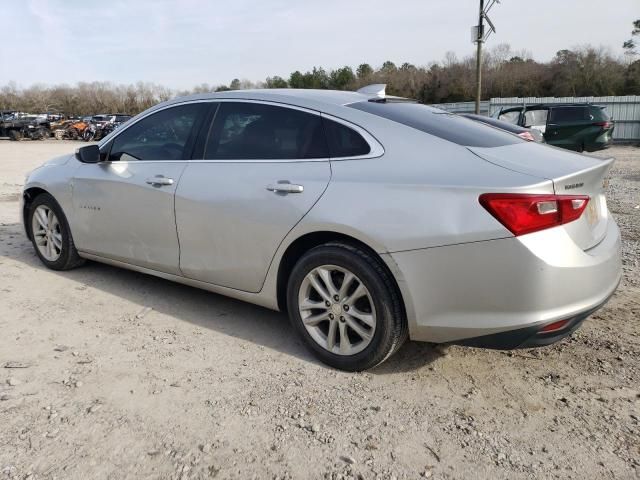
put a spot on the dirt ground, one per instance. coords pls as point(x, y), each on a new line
point(106, 373)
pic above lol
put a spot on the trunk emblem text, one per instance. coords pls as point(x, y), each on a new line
point(573, 185)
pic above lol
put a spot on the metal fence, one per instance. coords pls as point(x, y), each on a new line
point(625, 111)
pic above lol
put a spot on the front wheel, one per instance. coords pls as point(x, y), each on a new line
point(50, 234)
point(346, 307)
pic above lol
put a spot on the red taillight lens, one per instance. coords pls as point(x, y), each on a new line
point(604, 125)
point(527, 213)
point(527, 136)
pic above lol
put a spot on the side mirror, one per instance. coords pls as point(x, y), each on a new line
point(88, 154)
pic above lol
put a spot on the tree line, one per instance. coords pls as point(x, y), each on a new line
point(583, 71)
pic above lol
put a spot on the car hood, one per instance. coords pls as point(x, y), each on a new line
point(59, 160)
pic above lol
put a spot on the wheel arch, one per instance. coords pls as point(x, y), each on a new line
point(28, 196)
point(297, 248)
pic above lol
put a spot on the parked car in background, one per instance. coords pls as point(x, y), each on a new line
point(579, 127)
point(368, 219)
point(529, 134)
point(19, 127)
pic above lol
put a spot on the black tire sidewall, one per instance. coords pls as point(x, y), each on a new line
point(67, 245)
point(379, 347)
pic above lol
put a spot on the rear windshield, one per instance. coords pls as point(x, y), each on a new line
point(439, 123)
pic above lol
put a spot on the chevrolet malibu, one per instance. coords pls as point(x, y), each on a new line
point(369, 219)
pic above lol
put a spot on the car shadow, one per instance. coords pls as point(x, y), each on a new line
point(205, 309)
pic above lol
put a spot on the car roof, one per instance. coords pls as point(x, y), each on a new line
point(536, 106)
point(310, 98)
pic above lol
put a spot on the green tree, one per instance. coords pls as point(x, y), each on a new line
point(296, 80)
point(388, 67)
point(630, 45)
point(235, 84)
point(342, 78)
point(275, 82)
point(364, 71)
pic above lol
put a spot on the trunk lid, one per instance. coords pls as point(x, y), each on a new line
point(571, 174)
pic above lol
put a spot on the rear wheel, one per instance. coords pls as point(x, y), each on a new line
point(345, 306)
point(15, 135)
point(50, 234)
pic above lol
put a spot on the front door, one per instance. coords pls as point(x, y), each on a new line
point(124, 206)
point(264, 167)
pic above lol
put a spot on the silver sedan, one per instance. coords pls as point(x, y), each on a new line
point(369, 219)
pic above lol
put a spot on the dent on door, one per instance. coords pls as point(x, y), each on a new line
point(232, 216)
point(124, 211)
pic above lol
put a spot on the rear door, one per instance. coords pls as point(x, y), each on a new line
point(124, 205)
point(264, 167)
point(566, 127)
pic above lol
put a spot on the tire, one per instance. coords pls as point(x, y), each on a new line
point(66, 256)
point(15, 135)
point(381, 306)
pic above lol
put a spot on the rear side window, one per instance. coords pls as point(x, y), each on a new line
point(447, 126)
point(255, 131)
point(568, 114)
point(344, 141)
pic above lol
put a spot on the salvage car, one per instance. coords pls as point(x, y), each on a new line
point(369, 219)
point(18, 127)
point(580, 127)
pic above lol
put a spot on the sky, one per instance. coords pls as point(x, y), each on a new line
point(181, 44)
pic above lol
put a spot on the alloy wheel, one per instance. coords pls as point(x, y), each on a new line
point(47, 233)
point(337, 310)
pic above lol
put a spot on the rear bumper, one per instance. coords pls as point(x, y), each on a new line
point(530, 337)
point(601, 142)
point(510, 286)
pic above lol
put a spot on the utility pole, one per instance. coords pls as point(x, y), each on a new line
point(479, 40)
point(479, 36)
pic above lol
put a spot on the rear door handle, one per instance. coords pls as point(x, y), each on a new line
point(159, 180)
point(285, 188)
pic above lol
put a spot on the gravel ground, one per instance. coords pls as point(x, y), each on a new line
point(106, 373)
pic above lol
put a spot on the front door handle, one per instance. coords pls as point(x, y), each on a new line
point(285, 188)
point(159, 180)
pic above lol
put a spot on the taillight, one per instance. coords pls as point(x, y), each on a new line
point(604, 125)
point(527, 213)
point(527, 136)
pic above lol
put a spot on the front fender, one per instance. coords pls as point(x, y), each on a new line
point(54, 178)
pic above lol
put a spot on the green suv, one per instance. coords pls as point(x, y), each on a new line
point(577, 127)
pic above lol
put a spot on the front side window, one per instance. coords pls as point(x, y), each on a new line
point(163, 135)
point(255, 131)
